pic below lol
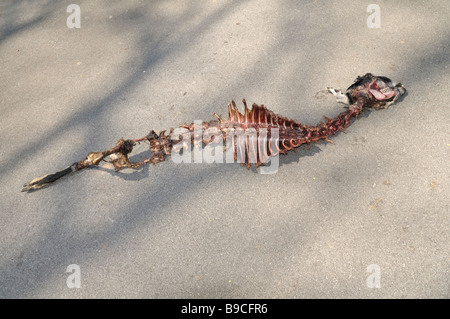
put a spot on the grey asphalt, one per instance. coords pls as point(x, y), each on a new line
point(375, 204)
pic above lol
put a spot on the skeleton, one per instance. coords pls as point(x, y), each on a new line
point(368, 91)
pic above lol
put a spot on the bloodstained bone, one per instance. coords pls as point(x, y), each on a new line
point(368, 91)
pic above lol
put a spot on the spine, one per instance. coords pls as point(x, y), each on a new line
point(324, 130)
